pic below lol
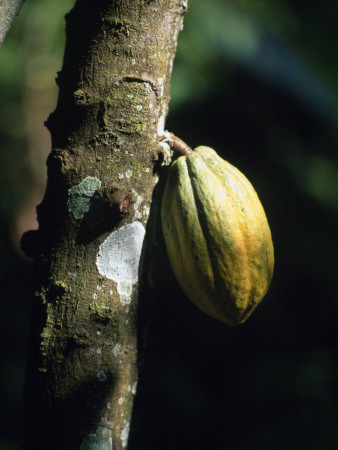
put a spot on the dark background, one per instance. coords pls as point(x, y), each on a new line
point(258, 82)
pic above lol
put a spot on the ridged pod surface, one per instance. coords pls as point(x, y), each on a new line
point(217, 236)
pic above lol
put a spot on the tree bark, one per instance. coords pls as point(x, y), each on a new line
point(9, 9)
point(113, 99)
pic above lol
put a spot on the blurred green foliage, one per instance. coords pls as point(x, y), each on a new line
point(257, 81)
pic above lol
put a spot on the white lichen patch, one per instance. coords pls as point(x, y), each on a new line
point(119, 255)
point(129, 173)
point(134, 388)
point(125, 300)
point(125, 435)
point(160, 125)
point(117, 350)
point(137, 204)
point(79, 196)
point(165, 147)
point(161, 84)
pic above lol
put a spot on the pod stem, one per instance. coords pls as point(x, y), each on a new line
point(179, 147)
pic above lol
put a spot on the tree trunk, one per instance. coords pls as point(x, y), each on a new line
point(113, 100)
point(9, 9)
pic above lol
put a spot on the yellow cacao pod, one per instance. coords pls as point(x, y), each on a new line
point(217, 236)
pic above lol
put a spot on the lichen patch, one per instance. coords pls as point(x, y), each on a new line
point(125, 435)
point(101, 440)
point(119, 255)
point(79, 196)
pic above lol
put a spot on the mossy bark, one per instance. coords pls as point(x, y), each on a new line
point(113, 100)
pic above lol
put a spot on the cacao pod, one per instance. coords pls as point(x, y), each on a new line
point(217, 236)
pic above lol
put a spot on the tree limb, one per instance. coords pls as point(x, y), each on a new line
point(9, 9)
